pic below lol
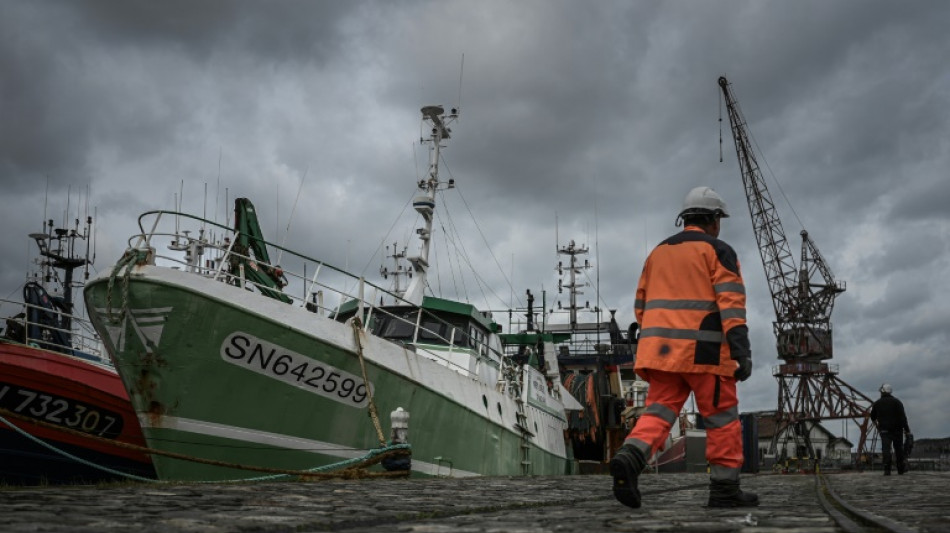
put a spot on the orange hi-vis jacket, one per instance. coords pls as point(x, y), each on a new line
point(691, 306)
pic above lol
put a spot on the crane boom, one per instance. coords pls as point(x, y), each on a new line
point(802, 307)
point(773, 246)
point(809, 389)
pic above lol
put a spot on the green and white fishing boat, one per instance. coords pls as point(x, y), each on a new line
point(225, 368)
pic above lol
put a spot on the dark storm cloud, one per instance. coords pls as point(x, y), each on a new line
point(114, 74)
point(296, 31)
point(918, 248)
point(921, 194)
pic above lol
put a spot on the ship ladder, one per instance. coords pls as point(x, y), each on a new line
point(526, 435)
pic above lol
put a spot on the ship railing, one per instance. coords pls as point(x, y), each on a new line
point(312, 284)
point(585, 349)
point(83, 340)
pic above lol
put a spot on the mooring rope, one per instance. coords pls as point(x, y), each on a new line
point(128, 260)
point(64, 453)
point(373, 413)
point(351, 468)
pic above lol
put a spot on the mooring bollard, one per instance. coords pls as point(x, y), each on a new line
point(399, 434)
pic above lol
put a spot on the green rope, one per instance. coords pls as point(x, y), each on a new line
point(128, 260)
point(68, 455)
point(319, 469)
point(342, 464)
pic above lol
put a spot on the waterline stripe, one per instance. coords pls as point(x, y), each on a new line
point(282, 441)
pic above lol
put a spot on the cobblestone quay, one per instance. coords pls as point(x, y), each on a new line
point(917, 501)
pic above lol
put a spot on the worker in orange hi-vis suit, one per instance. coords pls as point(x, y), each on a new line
point(690, 305)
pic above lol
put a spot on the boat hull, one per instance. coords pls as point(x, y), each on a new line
point(223, 375)
point(57, 402)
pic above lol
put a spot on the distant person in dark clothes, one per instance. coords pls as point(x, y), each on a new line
point(888, 415)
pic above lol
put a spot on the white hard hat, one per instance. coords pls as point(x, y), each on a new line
point(886, 388)
point(704, 201)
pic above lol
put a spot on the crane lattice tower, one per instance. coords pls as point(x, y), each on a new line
point(810, 389)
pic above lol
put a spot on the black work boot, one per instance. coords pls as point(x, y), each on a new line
point(887, 470)
point(625, 467)
point(728, 494)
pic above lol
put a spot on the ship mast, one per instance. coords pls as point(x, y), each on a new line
point(58, 250)
point(573, 286)
point(424, 203)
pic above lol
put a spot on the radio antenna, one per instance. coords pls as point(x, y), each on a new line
point(458, 107)
point(292, 211)
point(217, 190)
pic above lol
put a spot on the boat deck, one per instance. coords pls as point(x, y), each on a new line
point(833, 502)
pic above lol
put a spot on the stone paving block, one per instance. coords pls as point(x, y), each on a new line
point(671, 502)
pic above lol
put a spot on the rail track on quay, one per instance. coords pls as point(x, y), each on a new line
point(852, 514)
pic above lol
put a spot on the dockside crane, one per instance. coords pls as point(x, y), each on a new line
point(803, 297)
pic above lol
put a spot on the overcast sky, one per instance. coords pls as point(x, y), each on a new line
point(579, 120)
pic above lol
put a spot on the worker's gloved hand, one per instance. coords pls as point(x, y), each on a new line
point(745, 368)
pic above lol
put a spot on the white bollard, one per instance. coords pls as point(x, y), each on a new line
point(399, 422)
point(399, 434)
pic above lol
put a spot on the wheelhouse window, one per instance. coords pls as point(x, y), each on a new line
point(432, 330)
point(394, 328)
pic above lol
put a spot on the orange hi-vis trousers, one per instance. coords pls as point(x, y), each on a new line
point(718, 405)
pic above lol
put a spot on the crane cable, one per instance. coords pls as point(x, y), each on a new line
point(761, 155)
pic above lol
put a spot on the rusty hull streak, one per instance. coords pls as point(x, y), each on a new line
point(145, 387)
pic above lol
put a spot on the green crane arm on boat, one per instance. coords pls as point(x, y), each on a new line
point(250, 240)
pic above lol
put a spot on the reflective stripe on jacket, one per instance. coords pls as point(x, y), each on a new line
point(691, 306)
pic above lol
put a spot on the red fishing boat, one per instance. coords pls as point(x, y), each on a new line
point(65, 417)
